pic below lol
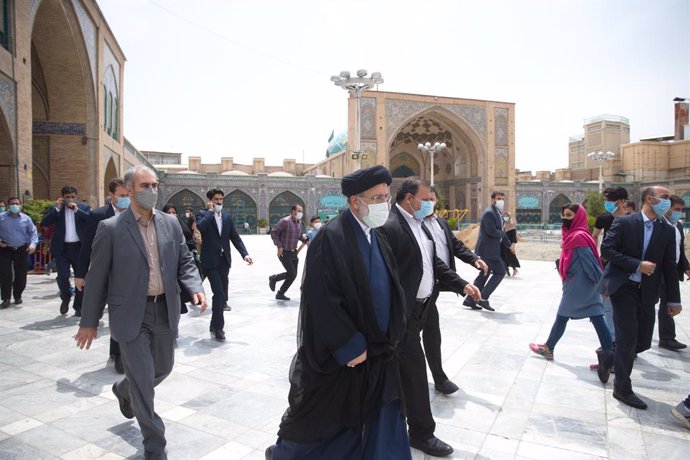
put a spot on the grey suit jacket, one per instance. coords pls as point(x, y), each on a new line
point(119, 273)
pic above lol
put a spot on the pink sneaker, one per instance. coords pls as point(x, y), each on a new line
point(541, 350)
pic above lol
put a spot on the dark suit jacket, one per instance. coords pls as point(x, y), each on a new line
point(215, 245)
point(456, 248)
point(409, 257)
point(623, 246)
point(96, 216)
point(120, 272)
point(57, 242)
point(491, 235)
point(683, 264)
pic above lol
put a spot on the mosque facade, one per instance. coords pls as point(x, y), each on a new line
point(61, 83)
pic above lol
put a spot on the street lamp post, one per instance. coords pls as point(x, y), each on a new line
point(433, 151)
point(355, 86)
point(600, 157)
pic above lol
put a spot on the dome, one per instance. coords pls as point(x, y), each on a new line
point(234, 172)
point(280, 174)
point(337, 144)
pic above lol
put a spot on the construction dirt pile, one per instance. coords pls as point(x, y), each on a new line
point(525, 250)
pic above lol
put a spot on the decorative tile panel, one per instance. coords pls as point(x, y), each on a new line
point(7, 102)
point(368, 118)
point(501, 127)
point(63, 129)
point(398, 111)
point(88, 30)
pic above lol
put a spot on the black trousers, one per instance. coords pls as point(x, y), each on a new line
point(415, 384)
point(218, 278)
point(489, 282)
point(114, 347)
point(68, 258)
point(13, 260)
point(634, 330)
point(667, 325)
point(290, 262)
point(431, 337)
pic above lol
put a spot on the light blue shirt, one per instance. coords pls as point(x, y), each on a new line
point(16, 231)
point(648, 230)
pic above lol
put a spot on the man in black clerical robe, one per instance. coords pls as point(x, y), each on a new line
point(345, 387)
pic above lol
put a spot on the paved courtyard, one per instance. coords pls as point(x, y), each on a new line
point(225, 400)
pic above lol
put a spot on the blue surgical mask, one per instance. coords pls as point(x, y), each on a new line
point(662, 206)
point(2, 209)
point(675, 216)
point(15, 208)
point(122, 202)
point(610, 206)
point(425, 210)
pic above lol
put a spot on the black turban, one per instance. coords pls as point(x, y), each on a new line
point(364, 179)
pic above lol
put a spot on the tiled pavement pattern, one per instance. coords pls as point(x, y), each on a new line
point(225, 400)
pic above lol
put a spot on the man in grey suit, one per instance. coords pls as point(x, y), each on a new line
point(491, 237)
point(137, 258)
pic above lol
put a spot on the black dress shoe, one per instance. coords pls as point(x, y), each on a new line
point(469, 302)
point(631, 400)
point(227, 307)
point(447, 387)
point(281, 296)
point(433, 446)
point(77, 313)
point(219, 335)
point(269, 452)
point(485, 305)
point(672, 344)
point(272, 282)
point(119, 365)
point(18, 301)
point(64, 307)
point(5, 303)
point(125, 406)
point(604, 367)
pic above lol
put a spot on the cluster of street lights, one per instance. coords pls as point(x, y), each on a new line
point(600, 157)
point(355, 85)
point(433, 151)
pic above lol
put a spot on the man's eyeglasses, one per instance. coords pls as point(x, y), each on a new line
point(377, 199)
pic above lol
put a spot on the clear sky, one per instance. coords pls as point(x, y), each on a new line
point(250, 78)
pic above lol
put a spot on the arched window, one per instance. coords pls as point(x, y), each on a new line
point(281, 206)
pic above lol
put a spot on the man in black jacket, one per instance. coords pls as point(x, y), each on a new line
point(641, 250)
point(217, 230)
point(69, 218)
point(419, 267)
point(119, 201)
point(447, 248)
point(667, 326)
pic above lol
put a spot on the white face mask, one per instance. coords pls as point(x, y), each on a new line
point(217, 207)
point(299, 216)
point(500, 204)
point(377, 215)
point(317, 225)
point(188, 215)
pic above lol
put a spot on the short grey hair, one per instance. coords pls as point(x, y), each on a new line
point(131, 173)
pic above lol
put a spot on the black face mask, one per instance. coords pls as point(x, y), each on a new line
point(567, 223)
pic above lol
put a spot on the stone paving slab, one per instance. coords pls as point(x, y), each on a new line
point(225, 400)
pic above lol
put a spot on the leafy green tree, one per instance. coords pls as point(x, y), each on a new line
point(594, 202)
point(36, 209)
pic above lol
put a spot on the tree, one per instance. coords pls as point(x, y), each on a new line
point(594, 203)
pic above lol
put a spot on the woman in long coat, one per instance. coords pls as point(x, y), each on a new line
point(580, 269)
